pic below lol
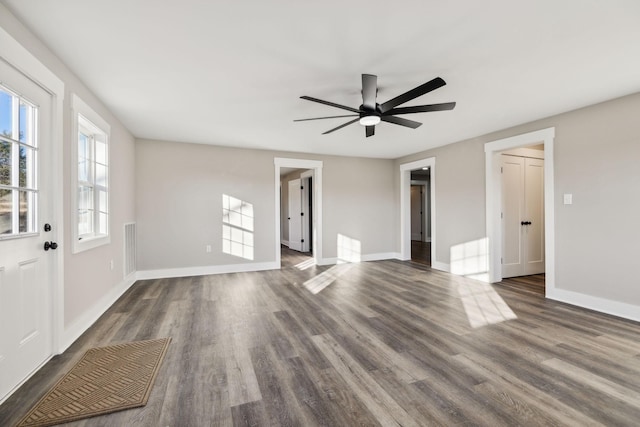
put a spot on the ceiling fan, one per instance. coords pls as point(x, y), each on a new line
point(370, 113)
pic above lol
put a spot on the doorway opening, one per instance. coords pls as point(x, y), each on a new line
point(424, 246)
point(298, 210)
point(420, 216)
point(511, 245)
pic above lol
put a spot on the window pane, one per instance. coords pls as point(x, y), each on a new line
point(102, 201)
point(5, 163)
point(101, 152)
point(101, 175)
point(6, 208)
point(22, 167)
point(23, 212)
point(85, 210)
point(26, 123)
point(84, 153)
point(102, 223)
point(6, 113)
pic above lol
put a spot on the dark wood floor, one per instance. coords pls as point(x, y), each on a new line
point(421, 252)
point(376, 343)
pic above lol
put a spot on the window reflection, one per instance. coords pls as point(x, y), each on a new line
point(237, 227)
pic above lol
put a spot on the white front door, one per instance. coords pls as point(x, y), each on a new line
point(522, 216)
point(25, 207)
point(295, 215)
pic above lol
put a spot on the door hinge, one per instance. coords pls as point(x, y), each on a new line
point(501, 170)
point(501, 261)
point(501, 215)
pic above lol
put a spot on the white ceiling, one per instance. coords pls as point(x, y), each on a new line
point(231, 72)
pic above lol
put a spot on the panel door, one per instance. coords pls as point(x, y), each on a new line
point(295, 215)
point(534, 214)
point(522, 216)
point(513, 213)
point(25, 206)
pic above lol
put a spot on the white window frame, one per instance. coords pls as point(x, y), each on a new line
point(86, 119)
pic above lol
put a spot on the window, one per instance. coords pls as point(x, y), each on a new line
point(91, 196)
point(18, 165)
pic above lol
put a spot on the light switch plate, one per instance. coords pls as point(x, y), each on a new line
point(568, 199)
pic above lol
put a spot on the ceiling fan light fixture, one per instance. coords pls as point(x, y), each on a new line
point(369, 120)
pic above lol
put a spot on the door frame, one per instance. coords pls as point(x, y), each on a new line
point(493, 151)
point(13, 53)
point(405, 208)
point(316, 167)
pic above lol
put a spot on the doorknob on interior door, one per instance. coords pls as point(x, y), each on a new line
point(525, 222)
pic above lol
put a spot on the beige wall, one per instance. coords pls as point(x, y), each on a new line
point(597, 150)
point(87, 276)
point(180, 186)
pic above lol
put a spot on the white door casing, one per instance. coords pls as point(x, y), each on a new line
point(522, 216)
point(295, 215)
point(26, 270)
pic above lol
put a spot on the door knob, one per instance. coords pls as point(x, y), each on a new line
point(50, 245)
point(525, 222)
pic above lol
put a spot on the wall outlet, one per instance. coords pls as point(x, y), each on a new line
point(208, 249)
point(111, 265)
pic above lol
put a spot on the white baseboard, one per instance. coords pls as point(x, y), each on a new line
point(89, 317)
point(205, 270)
point(284, 242)
point(440, 266)
point(363, 258)
point(615, 308)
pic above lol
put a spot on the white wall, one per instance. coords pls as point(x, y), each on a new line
point(179, 189)
point(89, 284)
point(597, 154)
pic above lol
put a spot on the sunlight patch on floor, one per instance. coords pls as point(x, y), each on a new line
point(482, 304)
point(321, 281)
point(305, 264)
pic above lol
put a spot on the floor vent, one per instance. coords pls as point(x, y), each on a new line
point(129, 248)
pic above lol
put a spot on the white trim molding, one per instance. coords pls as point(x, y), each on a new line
point(405, 206)
point(363, 258)
point(316, 168)
point(90, 316)
point(205, 270)
point(493, 184)
point(615, 308)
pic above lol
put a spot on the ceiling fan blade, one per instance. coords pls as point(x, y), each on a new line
point(369, 91)
point(422, 108)
point(331, 104)
point(328, 117)
point(370, 131)
point(341, 126)
point(400, 121)
point(412, 94)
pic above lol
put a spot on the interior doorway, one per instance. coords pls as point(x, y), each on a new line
point(429, 210)
point(309, 174)
point(420, 216)
point(494, 202)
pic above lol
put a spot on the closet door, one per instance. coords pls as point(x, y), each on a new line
point(522, 216)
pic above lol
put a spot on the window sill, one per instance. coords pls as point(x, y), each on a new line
point(88, 243)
